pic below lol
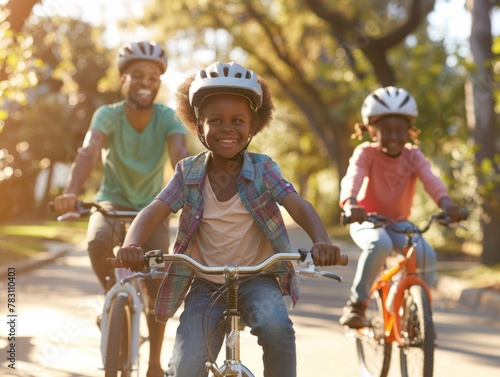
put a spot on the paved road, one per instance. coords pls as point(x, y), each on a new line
point(56, 335)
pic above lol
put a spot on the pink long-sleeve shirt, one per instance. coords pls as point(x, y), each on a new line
point(386, 185)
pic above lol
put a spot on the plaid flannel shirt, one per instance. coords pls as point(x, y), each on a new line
point(260, 186)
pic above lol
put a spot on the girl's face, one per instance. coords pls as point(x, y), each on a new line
point(226, 124)
point(391, 133)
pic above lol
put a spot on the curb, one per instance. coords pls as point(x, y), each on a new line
point(457, 290)
point(54, 251)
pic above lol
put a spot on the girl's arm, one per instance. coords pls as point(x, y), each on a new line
point(303, 213)
point(147, 221)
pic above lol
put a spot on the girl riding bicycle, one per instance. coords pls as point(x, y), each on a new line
point(382, 177)
point(229, 200)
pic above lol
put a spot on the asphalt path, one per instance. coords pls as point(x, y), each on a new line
point(56, 336)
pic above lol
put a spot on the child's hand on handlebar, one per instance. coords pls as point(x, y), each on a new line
point(131, 257)
point(325, 254)
point(355, 213)
point(451, 210)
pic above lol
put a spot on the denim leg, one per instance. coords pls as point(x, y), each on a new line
point(190, 354)
point(376, 246)
point(264, 311)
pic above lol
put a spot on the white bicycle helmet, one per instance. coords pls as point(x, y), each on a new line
point(220, 78)
point(389, 100)
point(142, 51)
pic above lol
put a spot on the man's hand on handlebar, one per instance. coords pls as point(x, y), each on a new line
point(65, 203)
point(131, 257)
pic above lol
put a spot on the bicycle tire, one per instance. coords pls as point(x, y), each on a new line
point(374, 353)
point(117, 363)
point(417, 356)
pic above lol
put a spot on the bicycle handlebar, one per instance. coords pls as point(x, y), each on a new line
point(155, 259)
point(380, 220)
point(84, 209)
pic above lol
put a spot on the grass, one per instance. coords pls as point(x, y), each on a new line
point(19, 241)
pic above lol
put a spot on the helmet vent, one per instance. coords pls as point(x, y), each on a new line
point(226, 71)
point(142, 48)
point(380, 100)
point(214, 74)
point(405, 101)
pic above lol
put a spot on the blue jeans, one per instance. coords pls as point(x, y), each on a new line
point(376, 245)
point(262, 309)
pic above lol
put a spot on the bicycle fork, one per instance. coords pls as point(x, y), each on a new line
point(232, 365)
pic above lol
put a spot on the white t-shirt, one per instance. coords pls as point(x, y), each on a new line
point(246, 245)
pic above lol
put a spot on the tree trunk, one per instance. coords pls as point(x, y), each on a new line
point(482, 123)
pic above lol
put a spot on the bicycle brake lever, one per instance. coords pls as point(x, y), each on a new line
point(330, 275)
point(309, 271)
point(68, 216)
point(135, 275)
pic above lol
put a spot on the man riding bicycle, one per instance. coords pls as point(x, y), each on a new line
point(136, 136)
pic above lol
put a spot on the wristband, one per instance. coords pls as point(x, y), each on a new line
point(133, 245)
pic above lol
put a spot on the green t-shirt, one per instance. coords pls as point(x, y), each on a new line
point(133, 161)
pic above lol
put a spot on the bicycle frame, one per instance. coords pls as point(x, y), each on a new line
point(133, 291)
point(392, 319)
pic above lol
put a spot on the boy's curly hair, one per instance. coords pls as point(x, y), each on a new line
point(360, 129)
point(185, 112)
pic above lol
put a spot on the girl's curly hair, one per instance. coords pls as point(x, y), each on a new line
point(185, 112)
point(360, 129)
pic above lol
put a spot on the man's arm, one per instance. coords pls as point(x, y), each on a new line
point(86, 160)
point(177, 148)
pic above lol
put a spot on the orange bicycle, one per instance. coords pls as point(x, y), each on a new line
point(399, 311)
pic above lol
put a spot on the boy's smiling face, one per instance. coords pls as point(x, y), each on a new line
point(226, 123)
point(391, 133)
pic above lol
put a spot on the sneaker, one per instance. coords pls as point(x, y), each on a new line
point(354, 315)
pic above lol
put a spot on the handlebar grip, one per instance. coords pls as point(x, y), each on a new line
point(344, 260)
point(113, 263)
point(464, 214)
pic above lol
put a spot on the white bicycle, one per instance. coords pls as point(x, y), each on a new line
point(233, 274)
point(124, 304)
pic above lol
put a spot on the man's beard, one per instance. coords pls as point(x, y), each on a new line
point(137, 104)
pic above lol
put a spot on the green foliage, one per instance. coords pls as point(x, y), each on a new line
point(53, 72)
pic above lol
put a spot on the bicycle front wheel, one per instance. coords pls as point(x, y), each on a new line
point(373, 351)
point(118, 345)
point(417, 356)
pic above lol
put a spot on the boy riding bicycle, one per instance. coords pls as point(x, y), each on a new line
point(229, 200)
point(382, 177)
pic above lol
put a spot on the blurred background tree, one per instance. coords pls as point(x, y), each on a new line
point(56, 77)
point(321, 59)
